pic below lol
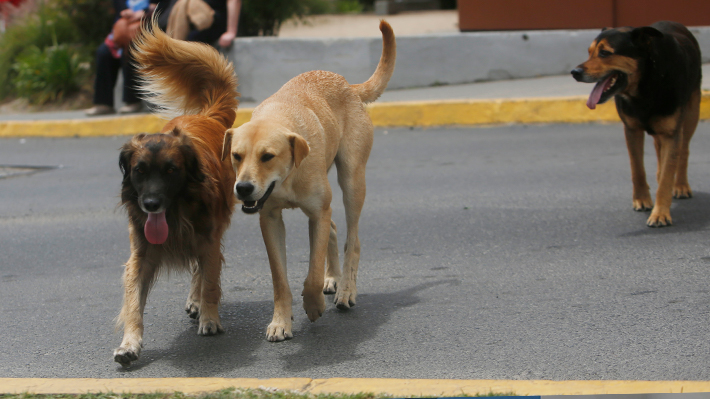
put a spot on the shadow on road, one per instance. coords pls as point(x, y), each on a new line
point(334, 343)
point(201, 356)
point(332, 340)
point(688, 215)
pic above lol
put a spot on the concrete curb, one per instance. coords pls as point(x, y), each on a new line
point(422, 60)
point(414, 113)
point(394, 387)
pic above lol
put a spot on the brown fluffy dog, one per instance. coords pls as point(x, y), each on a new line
point(282, 157)
point(176, 189)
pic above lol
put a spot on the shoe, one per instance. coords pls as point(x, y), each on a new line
point(131, 108)
point(100, 109)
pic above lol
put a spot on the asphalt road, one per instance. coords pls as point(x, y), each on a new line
point(487, 253)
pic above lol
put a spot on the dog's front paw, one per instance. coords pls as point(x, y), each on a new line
point(682, 191)
point(642, 204)
point(330, 286)
point(209, 327)
point(278, 331)
point(192, 310)
point(314, 304)
point(659, 219)
point(345, 298)
point(126, 355)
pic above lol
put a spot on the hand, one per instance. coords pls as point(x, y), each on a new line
point(226, 39)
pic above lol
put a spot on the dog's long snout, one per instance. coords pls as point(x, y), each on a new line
point(151, 204)
point(577, 73)
point(244, 189)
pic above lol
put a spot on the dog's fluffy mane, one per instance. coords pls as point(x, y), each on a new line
point(165, 66)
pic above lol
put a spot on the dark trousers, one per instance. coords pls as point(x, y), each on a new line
point(107, 69)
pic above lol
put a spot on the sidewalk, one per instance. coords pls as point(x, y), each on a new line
point(551, 99)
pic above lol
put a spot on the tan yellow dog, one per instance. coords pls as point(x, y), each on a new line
point(282, 157)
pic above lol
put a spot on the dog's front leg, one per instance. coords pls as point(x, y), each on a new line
point(274, 233)
point(642, 194)
point(667, 164)
point(319, 229)
point(137, 280)
point(192, 307)
point(210, 265)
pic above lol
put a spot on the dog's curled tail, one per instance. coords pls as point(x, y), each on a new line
point(376, 85)
point(184, 77)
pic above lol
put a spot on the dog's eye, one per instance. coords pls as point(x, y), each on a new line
point(170, 170)
point(237, 157)
point(604, 53)
point(267, 157)
point(140, 169)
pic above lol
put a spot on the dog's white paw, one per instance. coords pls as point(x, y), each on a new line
point(278, 331)
point(192, 310)
point(209, 327)
point(126, 355)
point(345, 298)
point(330, 286)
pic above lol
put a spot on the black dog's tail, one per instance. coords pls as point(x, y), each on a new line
point(184, 77)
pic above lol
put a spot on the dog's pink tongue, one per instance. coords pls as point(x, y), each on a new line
point(597, 93)
point(156, 228)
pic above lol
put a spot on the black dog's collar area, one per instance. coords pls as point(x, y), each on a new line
point(251, 207)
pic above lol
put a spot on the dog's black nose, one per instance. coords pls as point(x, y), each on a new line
point(151, 204)
point(577, 73)
point(244, 189)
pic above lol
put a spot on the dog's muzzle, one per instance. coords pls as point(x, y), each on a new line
point(253, 206)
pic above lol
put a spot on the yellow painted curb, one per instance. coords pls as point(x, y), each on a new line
point(95, 127)
point(395, 387)
point(408, 113)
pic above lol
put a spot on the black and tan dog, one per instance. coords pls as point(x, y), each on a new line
point(654, 74)
point(177, 191)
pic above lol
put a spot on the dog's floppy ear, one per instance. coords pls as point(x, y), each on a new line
point(605, 28)
point(299, 148)
point(124, 158)
point(645, 35)
point(192, 162)
point(227, 146)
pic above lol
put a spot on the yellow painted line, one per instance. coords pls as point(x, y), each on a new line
point(94, 127)
point(395, 387)
point(407, 113)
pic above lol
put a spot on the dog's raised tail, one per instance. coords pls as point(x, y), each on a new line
point(182, 77)
point(373, 88)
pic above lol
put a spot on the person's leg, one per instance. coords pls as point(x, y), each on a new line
point(106, 73)
point(211, 34)
point(130, 85)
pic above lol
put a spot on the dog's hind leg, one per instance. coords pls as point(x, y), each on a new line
point(319, 229)
point(681, 189)
point(351, 178)
point(210, 265)
point(274, 233)
point(137, 280)
point(332, 270)
point(192, 307)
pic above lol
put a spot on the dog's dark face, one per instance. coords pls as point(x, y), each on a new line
point(614, 62)
point(156, 169)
